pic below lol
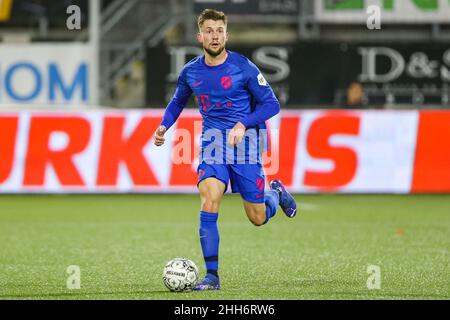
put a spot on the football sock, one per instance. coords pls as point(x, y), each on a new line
point(271, 199)
point(209, 239)
point(213, 272)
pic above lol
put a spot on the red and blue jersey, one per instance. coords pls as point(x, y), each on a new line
point(235, 91)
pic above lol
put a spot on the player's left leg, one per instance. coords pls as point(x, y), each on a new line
point(260, 213)
point(249, 180)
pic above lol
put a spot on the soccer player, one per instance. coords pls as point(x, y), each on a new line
point(234, 98)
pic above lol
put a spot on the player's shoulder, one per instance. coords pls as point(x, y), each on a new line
point(242, 61)
point(195, 62)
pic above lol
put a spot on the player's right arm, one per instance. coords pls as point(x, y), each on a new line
point(174, 108)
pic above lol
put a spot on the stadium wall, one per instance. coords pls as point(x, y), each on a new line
point(324, 74)
point(312, 151)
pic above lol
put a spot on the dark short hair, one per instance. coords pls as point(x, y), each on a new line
point(211, 14)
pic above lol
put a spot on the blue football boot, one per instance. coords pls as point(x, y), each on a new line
point(210, 282)
point(287, 201)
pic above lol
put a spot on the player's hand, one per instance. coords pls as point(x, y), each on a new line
point(236, 134)
point(159, 136)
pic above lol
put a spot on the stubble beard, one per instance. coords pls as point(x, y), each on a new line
point(214, 53)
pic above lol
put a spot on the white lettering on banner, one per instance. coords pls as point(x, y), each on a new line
point(417, 66)
point(275, 60)
point(369, 64)
point(44, 74)
point(338, 151)
point(270, 58)
point(445, 68)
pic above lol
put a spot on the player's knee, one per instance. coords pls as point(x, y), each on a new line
point(257, 217)
point(258, 220)
point(210, 205)
point(210, 200)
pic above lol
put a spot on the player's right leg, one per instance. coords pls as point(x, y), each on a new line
point(249, 180)
point(213, 180)
point(211, 193)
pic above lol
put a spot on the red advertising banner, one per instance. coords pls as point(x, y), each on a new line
point(311, 151)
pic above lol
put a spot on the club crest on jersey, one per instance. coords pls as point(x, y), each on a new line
point(261, 80)
point(260, 184)
point(226, 82)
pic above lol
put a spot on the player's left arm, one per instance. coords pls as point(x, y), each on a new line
point(174, 108)
point(267, 104)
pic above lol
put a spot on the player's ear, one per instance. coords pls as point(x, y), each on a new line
point(199, 37)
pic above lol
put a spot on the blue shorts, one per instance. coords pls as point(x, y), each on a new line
point(246, 179)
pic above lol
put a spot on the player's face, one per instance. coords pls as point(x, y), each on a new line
point(213, 36)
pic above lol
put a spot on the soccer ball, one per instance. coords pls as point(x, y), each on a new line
point(180, 275)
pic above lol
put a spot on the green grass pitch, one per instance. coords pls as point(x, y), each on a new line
point(121, 244)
